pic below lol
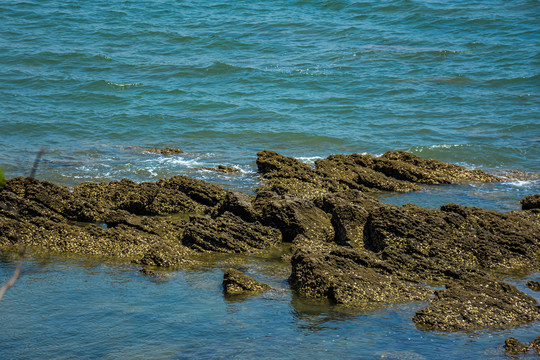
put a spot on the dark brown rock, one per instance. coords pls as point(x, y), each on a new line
point(394, 171)
point(533, 285)
point(320, 270)
point(223, 169)
point(294, 216)
point(530, 202)
point(235, 282)
point(476, 302)
point(166, 151)
point(514, 346)
point(535, 345)
point(240, 204)
point(228, 233)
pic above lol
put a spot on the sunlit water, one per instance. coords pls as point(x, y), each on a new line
point(98, 82)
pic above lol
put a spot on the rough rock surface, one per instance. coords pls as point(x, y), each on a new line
point(513, 346)
point(166, 151)
point(223, 169)
point(347, 247)
point(530, 202)
point(394, 171)
point(321, 270)
point(228, 233)
point(235, 282)
point(533, 285)
point(476, 302)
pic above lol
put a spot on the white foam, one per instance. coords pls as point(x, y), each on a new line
point(309, 159)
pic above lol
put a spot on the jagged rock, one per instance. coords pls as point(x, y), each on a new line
point(394, 171)
point(406, 166)
point(294, 216)
point(228, 233)
point(457, 237)
point(476, 302)
point(530, 202)
point(166, 151)
point(533, 285)
point(200, 191)
point(240, 204)
point(320, 271)
point(514, 346)
point(32, 198)
point(235, 282)
point(349, 212)
point(165, 254)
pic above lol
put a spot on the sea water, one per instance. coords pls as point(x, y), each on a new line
point(96, 83)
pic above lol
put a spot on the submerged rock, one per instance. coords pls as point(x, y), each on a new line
point(514, 346)
point(223, 169)
point(235, 282)
point(166, 151)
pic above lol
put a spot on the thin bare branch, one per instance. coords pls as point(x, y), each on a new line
point(36, 162)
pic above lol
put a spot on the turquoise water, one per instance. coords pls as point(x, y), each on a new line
point(96, 82)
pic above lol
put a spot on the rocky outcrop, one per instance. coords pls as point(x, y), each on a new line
point(235, 282)
point(347, 247)
point(394, 171)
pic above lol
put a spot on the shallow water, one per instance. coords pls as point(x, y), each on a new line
point(98, 82)
point(63, 308)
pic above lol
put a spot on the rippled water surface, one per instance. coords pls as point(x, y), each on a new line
point(98, 82)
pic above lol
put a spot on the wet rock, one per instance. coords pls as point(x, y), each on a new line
point(350, 213)
point(533, 285)
point(235, 282)
point(166, 151)
point(165, 254)
point(406, 166)
point(228, 233)
point(167, 196)
point(294, 216)
point(514, 346)
point(32, 197)
point(394, 171)
point(457, 237)
point(535, 345)
point(319, 270)
point(223, 169)
point(477, 302)
point(240, 204)
point(200, 191)
point(530, 202)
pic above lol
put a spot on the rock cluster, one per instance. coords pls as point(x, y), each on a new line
point(347, 247)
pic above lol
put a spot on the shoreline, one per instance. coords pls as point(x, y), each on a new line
point(346, 246)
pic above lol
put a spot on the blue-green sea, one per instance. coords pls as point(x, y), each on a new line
point(97, 83)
